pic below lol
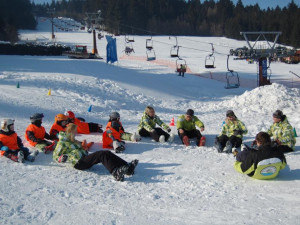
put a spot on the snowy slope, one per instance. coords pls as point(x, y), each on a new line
point(173, 184)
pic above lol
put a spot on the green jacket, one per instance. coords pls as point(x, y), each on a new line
point(229, 127)
point(66, 147)
point(182, 123)
point(283, 131)
point(149, 123)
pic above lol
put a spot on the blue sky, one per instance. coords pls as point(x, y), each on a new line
point(262, 3)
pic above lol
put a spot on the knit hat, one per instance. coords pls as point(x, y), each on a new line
point(229, 113)
point(278, 114)
point(190, 112)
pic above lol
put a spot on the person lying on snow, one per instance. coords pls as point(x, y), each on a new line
point(186, 126)
point(69, 150)
point(82, 126)
point(262, 163)
point(232, 132)
point(147, 127)
point(11, 145)
point(37, 136)
point(281, 132)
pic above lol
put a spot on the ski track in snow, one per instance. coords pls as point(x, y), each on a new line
point(173, 184)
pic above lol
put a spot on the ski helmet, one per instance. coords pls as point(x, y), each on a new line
point(60, 117)
point(5, 123)
point(36, 116)
point(70, 114)
point(114, 116)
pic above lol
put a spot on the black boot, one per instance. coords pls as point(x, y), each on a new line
point(132, 166)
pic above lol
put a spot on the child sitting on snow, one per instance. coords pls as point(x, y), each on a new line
point(60, 124)
point(82, 126)
point(36, 134)
point(147, 127)
point(11, 144)
point(115, 133)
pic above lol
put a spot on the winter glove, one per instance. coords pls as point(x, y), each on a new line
point(4, 148)
point(237, 132)
point(169, 130)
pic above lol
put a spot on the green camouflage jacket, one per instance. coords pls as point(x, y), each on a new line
point(149, 123)
point(66, 147)
point(182, 123)
point(283, 131)
point(229, 127)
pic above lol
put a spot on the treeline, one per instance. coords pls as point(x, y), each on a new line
point(192, 17)
point(164, 17)
point(14, 15)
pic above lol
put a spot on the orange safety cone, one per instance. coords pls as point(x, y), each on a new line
point(172, 124)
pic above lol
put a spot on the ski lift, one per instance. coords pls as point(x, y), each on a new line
point(129, 38)
point(149, 43)
point(180, 65)
point(175, 49)
point(232, 78)
point(150, 55)
point(210, 59)
point(128, 48)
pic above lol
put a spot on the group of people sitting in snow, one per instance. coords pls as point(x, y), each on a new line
point(263, 161)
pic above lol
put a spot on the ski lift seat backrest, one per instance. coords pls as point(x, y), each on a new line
point(210, 62)
point(232, 79)
point(150, 55)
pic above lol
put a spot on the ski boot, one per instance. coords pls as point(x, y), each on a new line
point(228, 147)
point(186, 141)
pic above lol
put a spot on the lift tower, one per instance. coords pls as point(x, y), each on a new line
point(260, 54)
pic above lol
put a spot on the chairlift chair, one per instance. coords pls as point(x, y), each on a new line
point(174, 51)
point(210, 59)
point(128, 48)
point(232, 78)
point(150, 55)
point(180, 65)
point(149, 44)
point(210, 62)
point(129, 38)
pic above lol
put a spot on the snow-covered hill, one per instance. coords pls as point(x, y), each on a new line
point(173, 184)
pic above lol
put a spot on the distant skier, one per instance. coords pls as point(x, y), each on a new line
point(147, 127)
point(69, 150)
point(281, 132)
point(182, 70)
point(11, 145)
point(262, 163)
point(186, 126)
point(37, 136)
point(231, 134)
point(82, 126)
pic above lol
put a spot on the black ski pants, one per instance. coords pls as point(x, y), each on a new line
point(155, 134)
point(191, 134)
point(94, 127)
point(109, 160)
point(235, 141)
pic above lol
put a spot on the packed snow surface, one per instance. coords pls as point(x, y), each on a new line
point(173, 184)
